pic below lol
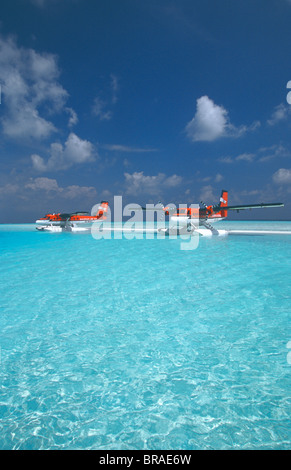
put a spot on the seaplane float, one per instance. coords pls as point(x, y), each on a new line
point(196, 219)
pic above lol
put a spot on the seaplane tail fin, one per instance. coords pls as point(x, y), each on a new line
point(102, 210)
point(223, 201)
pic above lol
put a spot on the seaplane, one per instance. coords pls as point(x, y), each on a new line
point(71, 222)
point(197, 219)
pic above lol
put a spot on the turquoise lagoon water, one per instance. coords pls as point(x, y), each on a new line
point(137, 344)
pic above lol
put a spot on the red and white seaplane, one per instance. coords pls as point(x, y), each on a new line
point(197, 219)
point(72, 222)
point(193, 220)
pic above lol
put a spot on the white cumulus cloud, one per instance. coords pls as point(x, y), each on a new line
point(46, 184)
point(211, 122)
point(280, 113)
point(282, 176)
point(75, 151)
point(51, 187)
point(207, 194)
point(138, 183)
point(30, 91)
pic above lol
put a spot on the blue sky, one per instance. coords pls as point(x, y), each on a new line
point(168, 100)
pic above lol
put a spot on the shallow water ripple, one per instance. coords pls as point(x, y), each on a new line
point(140, 345)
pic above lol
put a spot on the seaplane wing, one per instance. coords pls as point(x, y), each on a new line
point(249, 206)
